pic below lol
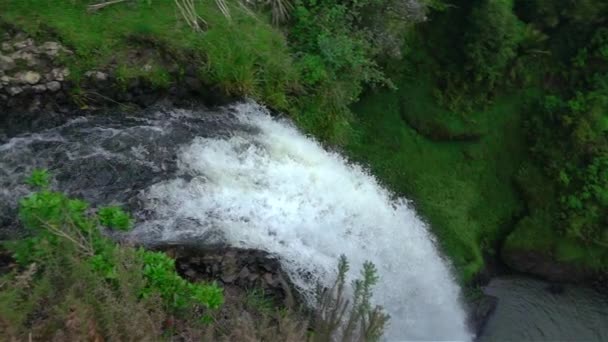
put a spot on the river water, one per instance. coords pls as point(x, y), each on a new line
point(237, 176)
point(529, 311)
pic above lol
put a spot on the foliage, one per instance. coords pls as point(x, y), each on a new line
point(159, 270)
point(60, 224)
point(345, 320)
point(338, 48)
point(39, 178)
point(491, 41)
point(114, 217)
point(78, 284)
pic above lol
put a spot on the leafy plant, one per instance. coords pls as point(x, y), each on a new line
point(356, 320)
point(60, 226)
point(114, 217)
point(39, 178)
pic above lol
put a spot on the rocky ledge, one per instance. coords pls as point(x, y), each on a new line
point(235, 269)
point(38, 89)
point(32, 71)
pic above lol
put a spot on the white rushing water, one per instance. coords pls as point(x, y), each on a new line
point(272, 188)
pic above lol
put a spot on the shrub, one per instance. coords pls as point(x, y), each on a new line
point(355, 320)
point(75, 269)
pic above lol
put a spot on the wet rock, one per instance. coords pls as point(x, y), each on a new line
point(14, 90)
point(53, 86)
point(229, 278)
point(7, 47)
point(28, 57)
point(241, 268)
point(6, 80)
point(6, 63)
point(28, 77)
point(59, 74)
point(244, 273)
point(481, 310)
point(23, 44)
point(52, 49)
point(39, 88)
point(544, 265)
point(193, 83)
point(97, 75)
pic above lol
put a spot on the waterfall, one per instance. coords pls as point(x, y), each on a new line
point(270, 187)
point(239, 175)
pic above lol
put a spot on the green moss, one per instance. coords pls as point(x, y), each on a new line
point(244, 56)
point(536, 233)
point(463, 189)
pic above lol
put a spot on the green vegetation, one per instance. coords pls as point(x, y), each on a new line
point(354, 320)
point(463, 188)
point(491, 115)
point(71, 278)
point(499, 125)
point(71, 282)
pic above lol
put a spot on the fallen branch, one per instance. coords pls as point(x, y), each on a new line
point(97, 7)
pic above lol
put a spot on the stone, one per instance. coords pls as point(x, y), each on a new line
point(29, 77)
point(20, 36)
point(12, 91)
point(6, 80)
point(6, 63)
point(52, 49)
point(24, 44)
point(253, 277)
point(193, 83)
point(7, 47)
point(97, 75)
point(35, 104)
point(24, 55)
point(53, 86)
point(39, 88)
point(268, 279)
point(228, 278)
point(59, 74)
point(482, 309)
point(244, 273)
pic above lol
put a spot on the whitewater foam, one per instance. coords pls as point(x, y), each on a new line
point(272, 188)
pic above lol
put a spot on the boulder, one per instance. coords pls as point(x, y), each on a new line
point(7, 47)
point(12, 91)
point(97, 76)
point(481, 310)
point(58, 74)
point(234, 267)
point(6, 80)
point(52, 49)
point(39, 88)
point(53, 86)
point(28, 77)
point(543, 264)
point(23, 44)
point(6, 63)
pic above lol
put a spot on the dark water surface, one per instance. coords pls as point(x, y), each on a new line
point(528, 311)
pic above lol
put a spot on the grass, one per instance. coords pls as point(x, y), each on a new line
point(244, 56)
point(463, 189)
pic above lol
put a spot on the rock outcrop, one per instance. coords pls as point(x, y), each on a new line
point(28, 70)
point(245, 269)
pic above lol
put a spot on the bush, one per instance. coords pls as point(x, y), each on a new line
point(73, 283)
point(75, 274)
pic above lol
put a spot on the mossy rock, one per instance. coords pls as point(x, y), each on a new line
point(535, 248)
